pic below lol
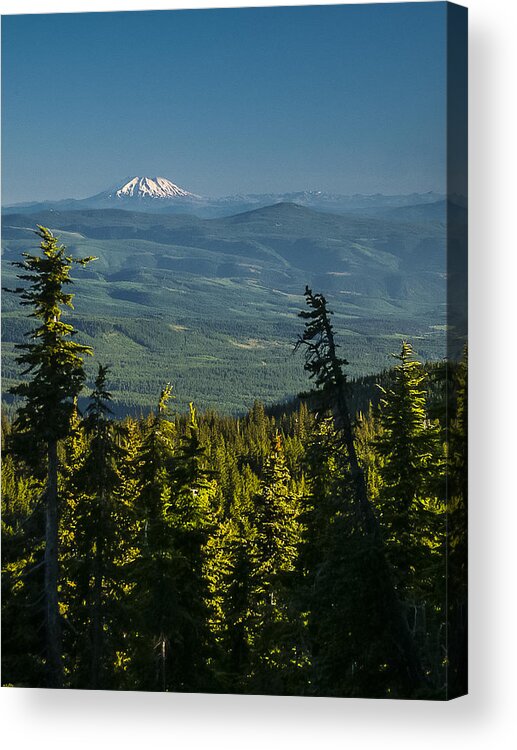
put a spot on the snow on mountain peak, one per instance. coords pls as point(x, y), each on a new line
point(152, 187)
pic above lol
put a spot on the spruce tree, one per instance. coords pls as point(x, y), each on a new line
point(54, 363)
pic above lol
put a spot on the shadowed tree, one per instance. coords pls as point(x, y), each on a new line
point(105, 517)
point(153, 599)
point(373, 584)
point(457, 542)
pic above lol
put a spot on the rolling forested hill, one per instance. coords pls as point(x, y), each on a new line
point(211, 304)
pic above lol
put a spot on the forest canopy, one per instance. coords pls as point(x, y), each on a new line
point(317, 548)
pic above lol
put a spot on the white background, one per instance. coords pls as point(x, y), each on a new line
point(46, 719)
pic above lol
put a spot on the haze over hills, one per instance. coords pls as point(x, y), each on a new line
point(160, 194)
point(211, 304)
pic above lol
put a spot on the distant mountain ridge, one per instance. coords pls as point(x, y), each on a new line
point(162, 195)
point(341, 252)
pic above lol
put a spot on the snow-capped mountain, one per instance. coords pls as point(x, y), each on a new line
point(151, 187)
point(161, 195)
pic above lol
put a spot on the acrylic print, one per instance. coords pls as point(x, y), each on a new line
point(234, 351)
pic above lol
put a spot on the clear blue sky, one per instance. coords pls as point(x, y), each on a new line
point(340, 98)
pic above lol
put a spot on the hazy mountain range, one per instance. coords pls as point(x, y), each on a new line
point(211, 304)
point(159, 194)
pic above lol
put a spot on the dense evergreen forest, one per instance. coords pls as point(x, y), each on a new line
point(317, 548)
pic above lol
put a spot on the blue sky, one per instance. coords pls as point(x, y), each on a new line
point(348, 99)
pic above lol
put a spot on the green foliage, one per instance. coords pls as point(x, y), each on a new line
point(412, 466)
point(272, 622)
point(51, 358)
point(361, 600)
point(22, 571)
point(97, 526)
point(231, 562)
point(457, 538)
point(55, 366)
point(411, 505)
point(290, 550)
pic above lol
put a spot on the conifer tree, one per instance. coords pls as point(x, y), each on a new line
point(153, 596)
point(290, 551)
point(74, 554)
point(106, 520)
point(411, 506)
point(192, 516)
point(272, 625)
point(457, 537)
point(169, 599)
point(23, 525)
point(221, 573)
point(228, 573)
point(121, 609)
point(54, 363)
point(325, 368)
point(410, 450)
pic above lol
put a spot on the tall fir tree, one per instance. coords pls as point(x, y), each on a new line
point(54, 364)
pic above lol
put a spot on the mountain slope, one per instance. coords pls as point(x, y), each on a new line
point(159, 188)
point(211, 304)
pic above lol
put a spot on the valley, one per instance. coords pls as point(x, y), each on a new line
point(211, 305)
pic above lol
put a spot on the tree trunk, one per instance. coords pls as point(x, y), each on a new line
point(53, 624)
